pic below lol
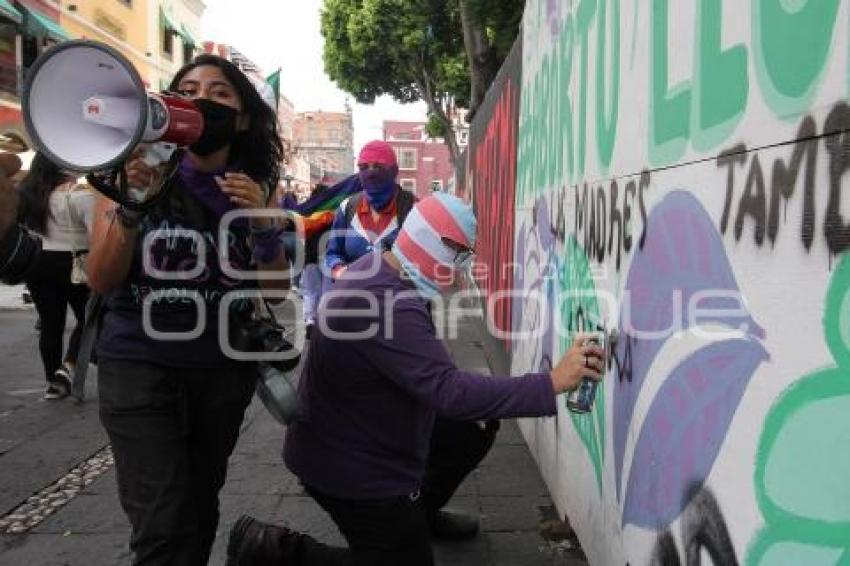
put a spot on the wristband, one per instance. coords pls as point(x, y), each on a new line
point(267, 250)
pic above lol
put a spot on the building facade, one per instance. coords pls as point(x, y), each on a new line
point(27, 28)
point(326, 140)
point(286, 118)
point(121, 25)
point(173, 36)
point(424, 163)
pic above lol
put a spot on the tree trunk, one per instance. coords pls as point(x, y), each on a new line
point(451, 137)
point(483, 66)
point(435, 105)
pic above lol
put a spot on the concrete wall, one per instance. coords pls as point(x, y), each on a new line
point(677, 172)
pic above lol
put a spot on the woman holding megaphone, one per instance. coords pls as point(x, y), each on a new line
point(171, 399)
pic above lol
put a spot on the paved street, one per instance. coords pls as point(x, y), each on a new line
point(41, 442)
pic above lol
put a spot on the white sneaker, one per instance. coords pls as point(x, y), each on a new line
point(60, 386)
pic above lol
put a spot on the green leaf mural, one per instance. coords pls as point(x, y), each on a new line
point(579, 312)
point(802, 476)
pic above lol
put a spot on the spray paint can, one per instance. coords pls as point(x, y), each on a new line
point(581, 399)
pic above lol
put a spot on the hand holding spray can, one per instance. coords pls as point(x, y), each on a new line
point(581, 399)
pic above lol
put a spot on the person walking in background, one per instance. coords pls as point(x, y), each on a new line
point(59, 208)
point(369, 220)
point(375, 378)
point(312, 279)
point(314, 218)
point(288, 199)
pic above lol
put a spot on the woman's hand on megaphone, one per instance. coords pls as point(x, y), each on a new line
point(141, 176)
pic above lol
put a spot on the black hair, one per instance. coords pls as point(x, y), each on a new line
point(35, 190)
point(259, 150)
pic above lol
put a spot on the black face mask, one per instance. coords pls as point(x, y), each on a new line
point(219, 127)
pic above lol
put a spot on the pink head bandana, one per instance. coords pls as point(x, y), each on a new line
point(378, 152)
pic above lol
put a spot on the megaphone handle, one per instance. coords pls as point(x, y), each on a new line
point(116, 188)
point(156, 154)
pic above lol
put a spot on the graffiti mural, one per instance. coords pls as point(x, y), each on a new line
point(689, 416)
point(703, 530)
point(679, 176)
point(803, 459)
point(492, 161)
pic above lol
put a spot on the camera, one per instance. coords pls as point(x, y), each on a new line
point(275, 386)
point(249, 333)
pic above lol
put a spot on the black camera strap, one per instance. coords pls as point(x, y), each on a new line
point(94, 309)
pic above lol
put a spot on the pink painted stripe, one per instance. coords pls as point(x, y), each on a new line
point(426, 263)
point(441, 219)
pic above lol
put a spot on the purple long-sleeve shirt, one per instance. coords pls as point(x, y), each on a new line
point(369, 403)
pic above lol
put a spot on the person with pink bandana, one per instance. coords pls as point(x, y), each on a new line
point(369, 220)
point(375, 379)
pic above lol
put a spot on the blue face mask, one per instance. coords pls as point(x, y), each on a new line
point(379, 186)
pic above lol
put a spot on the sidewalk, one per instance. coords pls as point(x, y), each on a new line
point(506, 490)
point(11, 297)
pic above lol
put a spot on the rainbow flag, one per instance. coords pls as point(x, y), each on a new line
point(319, 210)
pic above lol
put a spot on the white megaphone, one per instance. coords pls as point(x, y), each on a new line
point(86, 108)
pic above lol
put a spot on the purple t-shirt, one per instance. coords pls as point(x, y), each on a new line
point(369, 404)
point(177, 303)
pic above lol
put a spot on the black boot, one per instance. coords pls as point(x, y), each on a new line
point(453, 525)
point(254, 543)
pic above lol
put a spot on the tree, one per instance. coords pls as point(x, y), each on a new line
point(409, 50)
point(416, 50)
point(489, 30)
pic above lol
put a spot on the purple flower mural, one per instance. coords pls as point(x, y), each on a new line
point(688, 419)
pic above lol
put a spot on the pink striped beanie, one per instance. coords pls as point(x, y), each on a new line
point(419, 247)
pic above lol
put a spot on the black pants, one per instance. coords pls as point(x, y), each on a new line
point(456, 449)
point(51, 289)
point(172, 432)
point(396, 531)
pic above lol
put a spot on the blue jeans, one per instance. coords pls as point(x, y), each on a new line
point(311, 288)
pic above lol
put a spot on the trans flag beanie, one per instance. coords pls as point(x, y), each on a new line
point(429, 262)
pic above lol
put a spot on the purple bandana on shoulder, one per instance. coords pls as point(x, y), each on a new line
point(202, 185)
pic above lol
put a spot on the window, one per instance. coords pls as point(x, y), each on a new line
point(407, 159)
point(408, 185)
point(188, 52)
point(436, 186)
point(167, 42)
point(8, 59)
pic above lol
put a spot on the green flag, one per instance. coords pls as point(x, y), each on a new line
point(274, 81)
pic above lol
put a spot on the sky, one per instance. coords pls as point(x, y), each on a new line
point(285, 34)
